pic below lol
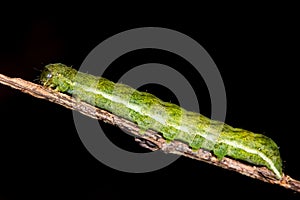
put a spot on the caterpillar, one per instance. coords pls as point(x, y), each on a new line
point(171, 120)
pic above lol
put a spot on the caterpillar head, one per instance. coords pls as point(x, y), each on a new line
point(57, 76)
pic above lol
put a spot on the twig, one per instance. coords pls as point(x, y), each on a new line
point(150, 139)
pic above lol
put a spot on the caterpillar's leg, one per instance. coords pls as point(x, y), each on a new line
point(220, 150)
point(197, 142)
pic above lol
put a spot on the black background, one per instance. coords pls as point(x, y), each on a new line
point(42, 155)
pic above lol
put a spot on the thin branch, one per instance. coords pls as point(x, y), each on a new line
point(150, 139)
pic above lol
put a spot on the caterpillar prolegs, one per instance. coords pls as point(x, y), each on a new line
point(172, 121)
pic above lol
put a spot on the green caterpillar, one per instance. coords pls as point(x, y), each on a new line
point(174, 122)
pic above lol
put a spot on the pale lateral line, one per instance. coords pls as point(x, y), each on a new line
point(159, 119)
point(253, 151)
